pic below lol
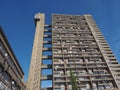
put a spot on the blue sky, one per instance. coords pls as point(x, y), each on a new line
point(17, 21)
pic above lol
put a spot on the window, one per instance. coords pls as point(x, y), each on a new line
point(47, 53)
point(46, 83)
point(47, 39)
point(47, 45)
point(46, 61)
point(47, 33)
point(6, 77)
point(46, 72)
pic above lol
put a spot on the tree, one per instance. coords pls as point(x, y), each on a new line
point(73, 81)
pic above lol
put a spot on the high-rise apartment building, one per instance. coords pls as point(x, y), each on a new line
point(71, 43)
point(11, 73)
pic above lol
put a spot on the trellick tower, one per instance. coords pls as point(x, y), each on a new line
point(71, 43)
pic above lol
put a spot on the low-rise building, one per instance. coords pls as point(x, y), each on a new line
point(11, 74)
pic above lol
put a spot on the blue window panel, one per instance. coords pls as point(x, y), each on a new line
point(46, 72)
point(49, 29)
point(47, 39)
point(47, 45)
point(47, 61)
point(47, 33)
point(47, 53)
point(46, 83)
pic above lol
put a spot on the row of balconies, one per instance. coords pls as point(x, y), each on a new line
point(66, 17)
point(84, 42)
point(65, 52)
point(73, 33)
point(73, 39)
point(75, 55)
point(80, 34)
point(75, 46)
point(82, 74)
point(81, 60)
point(104, 86)
point(78, 62)
point(84, 80)
point(67, 32)
point(68, 22)
point(69, 19)
point(75, 25)
point(68, 66)
point(77, 41)
point(69, 28)
point(74, 49)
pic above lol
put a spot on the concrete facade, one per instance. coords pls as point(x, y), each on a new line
point(11, 74)
point(76, 44)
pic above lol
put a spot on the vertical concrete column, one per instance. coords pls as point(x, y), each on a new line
point(36, 59)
